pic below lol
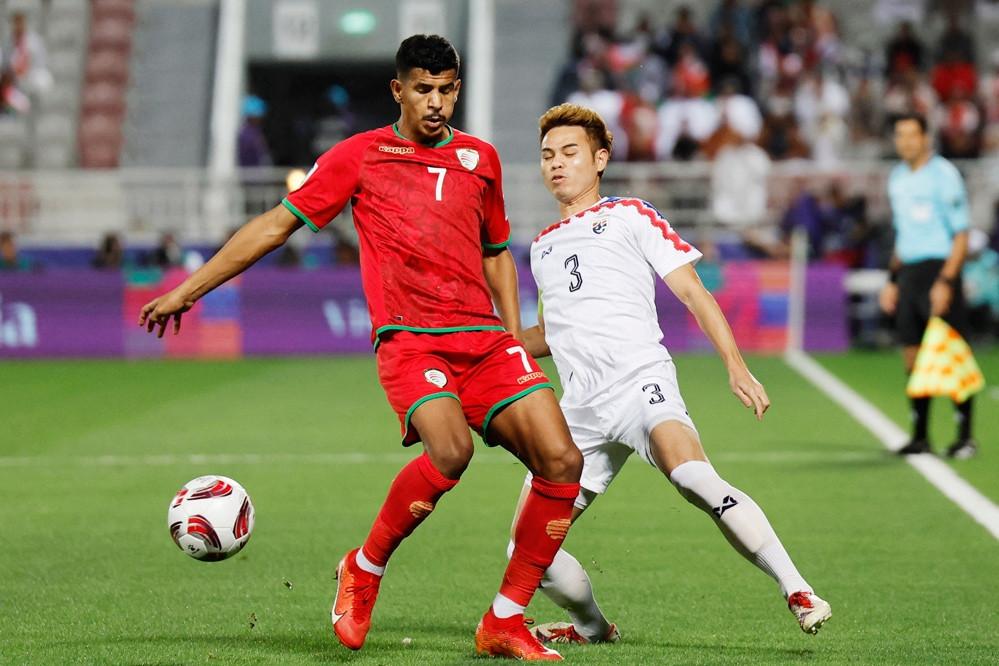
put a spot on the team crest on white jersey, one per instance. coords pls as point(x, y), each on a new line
point(435, 377)
point(469, 157)
point(599, 226)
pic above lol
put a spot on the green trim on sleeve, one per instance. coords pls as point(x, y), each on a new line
point(299, 214)
point(496, 246)
point(412, 408)
point(506, 401)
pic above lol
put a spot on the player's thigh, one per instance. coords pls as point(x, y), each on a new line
point(441, 425)
point(655, 421)
point(421, 388)
point(510, 402)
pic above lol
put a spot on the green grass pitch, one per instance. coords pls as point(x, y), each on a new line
point(91, 453)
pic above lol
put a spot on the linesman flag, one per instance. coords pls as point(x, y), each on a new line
point(944, 365)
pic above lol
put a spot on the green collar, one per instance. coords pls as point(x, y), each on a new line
point(442, 142)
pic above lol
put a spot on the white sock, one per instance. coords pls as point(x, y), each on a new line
point(568, 586)
point(367, 565)
point(741, 521)
point(504, 607)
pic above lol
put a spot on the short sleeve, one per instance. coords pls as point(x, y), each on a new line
point(329, 185)
point(495, 225)
point(661, 246)
point(955, 200)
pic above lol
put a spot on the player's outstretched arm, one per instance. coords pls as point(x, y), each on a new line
point(501, 276)
point(256, 238)
point(687, 286)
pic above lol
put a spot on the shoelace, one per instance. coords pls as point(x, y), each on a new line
point(363, 595)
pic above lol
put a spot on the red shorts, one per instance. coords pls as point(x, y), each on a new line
point(483, 370)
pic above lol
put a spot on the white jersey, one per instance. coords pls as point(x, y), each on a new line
point(596, 273)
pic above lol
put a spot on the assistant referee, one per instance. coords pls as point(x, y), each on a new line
point(930, 213)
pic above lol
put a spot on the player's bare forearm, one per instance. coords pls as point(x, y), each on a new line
point(534, 341)
point(687, 286)
point(259, 236)
point(501, 276)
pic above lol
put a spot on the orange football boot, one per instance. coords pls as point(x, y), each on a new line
point(509, 637)
point(356, 591)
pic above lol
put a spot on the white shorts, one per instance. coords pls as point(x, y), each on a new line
point(619, 420)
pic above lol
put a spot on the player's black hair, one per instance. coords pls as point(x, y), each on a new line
point(917, 117)
point(430, 52)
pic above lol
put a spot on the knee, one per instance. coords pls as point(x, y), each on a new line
point(451, 457)
point(563, 464)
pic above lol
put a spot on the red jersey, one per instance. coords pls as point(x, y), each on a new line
point(423, 215)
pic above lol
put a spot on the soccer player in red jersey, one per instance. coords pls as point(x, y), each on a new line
point(428, 206)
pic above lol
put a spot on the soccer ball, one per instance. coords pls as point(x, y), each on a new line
point(211, 518)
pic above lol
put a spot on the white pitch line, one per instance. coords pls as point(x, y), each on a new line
point(113, 460)
point(934, 470)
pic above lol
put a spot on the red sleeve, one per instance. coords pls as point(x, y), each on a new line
point(330, 183)
point(495, 226)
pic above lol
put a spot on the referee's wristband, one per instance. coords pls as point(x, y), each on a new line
point(946, 280)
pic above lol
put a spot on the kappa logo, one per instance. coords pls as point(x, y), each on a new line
point(469, 157)
point(545, 252)
point(726, 504)
point(435, 377)
point(397, 150)
point(599, 226)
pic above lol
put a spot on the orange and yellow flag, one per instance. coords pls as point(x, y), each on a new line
point(944, 365)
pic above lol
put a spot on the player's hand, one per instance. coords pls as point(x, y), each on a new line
point(888, 298)
point(751, 392)
point(941, 295)
point(158, 312)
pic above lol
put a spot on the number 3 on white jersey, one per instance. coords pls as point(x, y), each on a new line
point(440, 171)
point(523, 356)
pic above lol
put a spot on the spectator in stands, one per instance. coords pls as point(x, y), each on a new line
point(12, 100)
point(960, 126)
point(805, 212)
point(26, 57)
point(909, 93)
point(251, 143)
point(989, 94)
point(953, 72)
point(110, 254)
point(821, 107)
point(904, 52)
point(335, 122)
point(728, 61)
point(595, 93)
point(683, 32)
point(733, 19)
point(849, 233)
point(956, 43)
point(739, 183)
point(10, 259)
point(686, 118)
point(168, 254)
point(781, 137)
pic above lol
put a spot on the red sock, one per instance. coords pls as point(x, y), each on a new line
point(543, 524)
point(410, 500)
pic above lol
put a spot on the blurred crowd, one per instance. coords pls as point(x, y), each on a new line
point(24, 75)
point(778, 74)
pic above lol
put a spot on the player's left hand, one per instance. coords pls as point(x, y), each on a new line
point(751, 392)
point(941, 295)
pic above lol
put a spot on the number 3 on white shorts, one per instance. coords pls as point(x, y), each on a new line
point(523, 356)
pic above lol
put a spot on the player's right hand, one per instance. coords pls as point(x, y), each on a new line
point(749, 391)
point(159, 311)
point(888, 298)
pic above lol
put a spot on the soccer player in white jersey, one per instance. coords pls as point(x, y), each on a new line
point(596, 272)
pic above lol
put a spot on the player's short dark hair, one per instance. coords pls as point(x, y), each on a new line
point(919, 118)
point(430, 52)
point(573, 115)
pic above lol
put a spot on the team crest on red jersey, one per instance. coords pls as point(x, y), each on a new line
point(469, 157)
